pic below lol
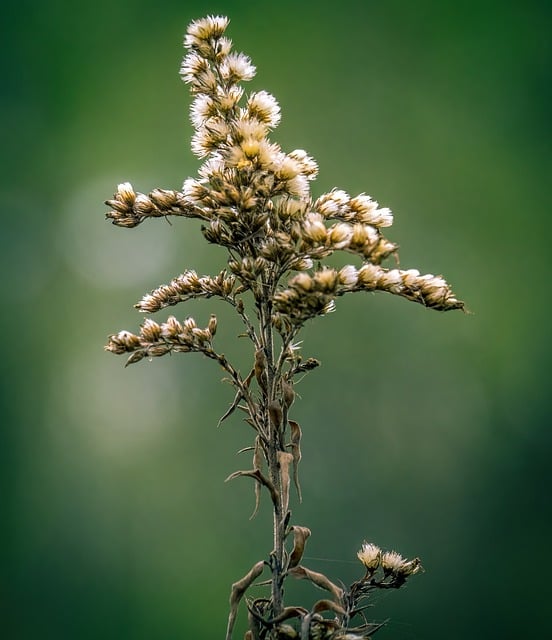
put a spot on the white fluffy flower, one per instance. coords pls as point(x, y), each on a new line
point(370, 556)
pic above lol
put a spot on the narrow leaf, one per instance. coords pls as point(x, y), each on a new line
point(232, 407)
point(300, 535)
point(238, 589)
point(257, 466)
point(260, 369)
point(259, 477)
point(246, 449)
point(284, 460)
point(295, 446)
point(287, 613)
point(328, 605)
point(288, 394)
point(275, 413)
point(319, 579)
point(135, 357)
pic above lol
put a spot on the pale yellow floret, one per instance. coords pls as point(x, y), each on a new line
point(348, 275)
point(314, 228)
point(392, 561)
point(263, 106)
point(206, 28)
point(126, 193)
point(340, 235)
point(370, 556)
point(298, 186)
point(302, 281)
point(237, 67)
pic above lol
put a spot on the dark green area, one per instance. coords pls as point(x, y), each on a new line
point(423, 432)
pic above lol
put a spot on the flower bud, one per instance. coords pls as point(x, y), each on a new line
point(125, 192)
point(212, 326)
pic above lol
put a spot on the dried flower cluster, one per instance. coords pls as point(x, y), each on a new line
point(394, 567)
point(254, 199)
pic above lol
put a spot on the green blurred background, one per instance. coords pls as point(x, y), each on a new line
point(423, 432)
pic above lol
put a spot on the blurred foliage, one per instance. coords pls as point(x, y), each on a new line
point(424, 432)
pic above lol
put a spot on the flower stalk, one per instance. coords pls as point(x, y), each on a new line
point(254, 201)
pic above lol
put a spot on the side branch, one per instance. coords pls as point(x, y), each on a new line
point(172, 336)
point(129, 209)
point(186, 286)
point(157, 340)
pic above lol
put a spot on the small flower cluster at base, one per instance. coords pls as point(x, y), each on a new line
point(157, 340)
point(370, 556)
point(394, 568)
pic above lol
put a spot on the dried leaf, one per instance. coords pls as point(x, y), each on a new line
point(289, 612)
point(287, 518)
point(328, 605)
point(247, 381)
point(257, 466)
point(135, 357)
point(238, 398)
point(259, 477)
point(286, 632)
point(295, 446)
point(288, 394)
point(300, 536)
point(260, 369)
point(246, 449)
point(256, 610)
point(319, 579)
point(238, 589)
point(284, 460)
point(275, 413)
point(255, 622)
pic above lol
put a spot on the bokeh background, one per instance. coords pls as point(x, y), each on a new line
point(423, 432)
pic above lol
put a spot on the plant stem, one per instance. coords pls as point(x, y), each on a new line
point(274, 445)
point(278, 536)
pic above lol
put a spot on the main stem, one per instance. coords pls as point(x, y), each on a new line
point(274, 445)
